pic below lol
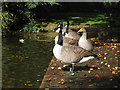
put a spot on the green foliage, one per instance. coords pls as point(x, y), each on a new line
point(22, 16)
point(110, 4)
point(32, 26)
point(31, 5)
point(26, 16)
point(91, 19)
point(35, 28)
point(11, 17)
point(54, 3)
point(76, 17)
point(7, 19)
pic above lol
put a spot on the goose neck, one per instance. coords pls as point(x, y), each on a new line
point(67, 29)
point(60, 37)
point(84, 35)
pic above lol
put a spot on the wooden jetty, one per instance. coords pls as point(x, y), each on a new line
point(95, 73)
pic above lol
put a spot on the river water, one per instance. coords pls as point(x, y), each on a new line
point(25, 63)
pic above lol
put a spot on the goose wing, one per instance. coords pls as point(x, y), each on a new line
point(90, 41)
point(90, 44)
point(68, 41)
point(73, 54)
point(86, 44)
point(73, 35)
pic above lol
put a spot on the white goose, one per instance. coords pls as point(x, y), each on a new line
point(84, 42)
point(70, 54)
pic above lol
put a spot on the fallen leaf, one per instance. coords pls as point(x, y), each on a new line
point(59, 68)
point(27, 81)
point(30, 85)
point(52, 68)
point(72, 74)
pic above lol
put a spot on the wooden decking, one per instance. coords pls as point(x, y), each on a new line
point(92, 74)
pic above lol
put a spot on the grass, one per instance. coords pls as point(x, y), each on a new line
point(76, 19)
point(79, 18)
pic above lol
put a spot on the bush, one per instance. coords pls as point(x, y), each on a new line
point(22, 16)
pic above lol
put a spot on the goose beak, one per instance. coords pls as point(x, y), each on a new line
point(79, 30)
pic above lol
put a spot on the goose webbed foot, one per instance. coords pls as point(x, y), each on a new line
point(71, 70)
point(68, 73)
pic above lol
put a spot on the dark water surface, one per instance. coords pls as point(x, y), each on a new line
point(24, 64)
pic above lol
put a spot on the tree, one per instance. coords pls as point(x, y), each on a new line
point(22, 16)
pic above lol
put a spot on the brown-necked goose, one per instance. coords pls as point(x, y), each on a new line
point(84, 42)
point(70, 54)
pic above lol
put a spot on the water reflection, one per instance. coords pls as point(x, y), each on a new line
point(24, 64)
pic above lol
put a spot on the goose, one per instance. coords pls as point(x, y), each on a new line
point(84, 42)
point(70, 33)
point(66, 40)
point(70, 54)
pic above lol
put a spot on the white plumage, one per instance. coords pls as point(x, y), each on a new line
point(84, 42)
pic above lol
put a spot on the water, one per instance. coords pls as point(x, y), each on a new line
point(24, 64)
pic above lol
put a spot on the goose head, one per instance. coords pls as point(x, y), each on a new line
point(82, 30)
point(57, 28)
